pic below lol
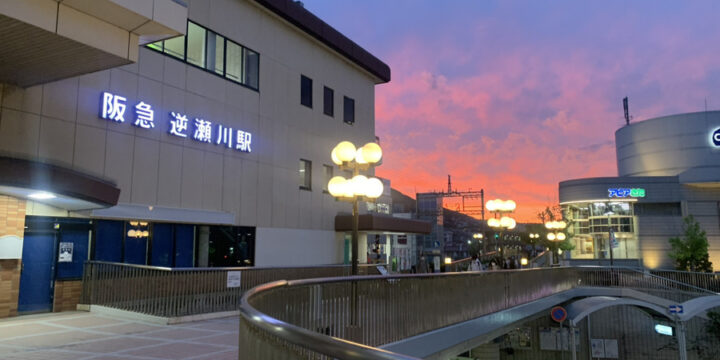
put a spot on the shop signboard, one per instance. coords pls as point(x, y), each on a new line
point(113, 108)
point(715, 138)
point(626, 192)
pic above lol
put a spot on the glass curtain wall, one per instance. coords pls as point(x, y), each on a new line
point(590, 226)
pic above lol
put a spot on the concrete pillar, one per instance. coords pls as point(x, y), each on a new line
point(12, 230)
point(203, 245)
point(682, 346)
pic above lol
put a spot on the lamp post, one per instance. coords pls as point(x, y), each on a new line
point(557, 232)
point(359, 187)
point(500, 222)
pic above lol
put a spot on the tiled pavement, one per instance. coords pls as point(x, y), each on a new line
point(85, 336)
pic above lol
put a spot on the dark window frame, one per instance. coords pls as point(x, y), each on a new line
point(332, 173)
point(308, 175)
point(346, 101)
point(331, 103)
point(306, 96)
point(224, 72)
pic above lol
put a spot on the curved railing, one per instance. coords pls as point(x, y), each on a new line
point(347, 318)
point(352, 313)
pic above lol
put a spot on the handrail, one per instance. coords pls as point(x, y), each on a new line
point(312, 318)
point(174, 292)
point(707, 281)
point(334, 347)
point(229, 268)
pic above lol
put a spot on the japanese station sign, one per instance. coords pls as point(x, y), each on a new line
point(201, 130)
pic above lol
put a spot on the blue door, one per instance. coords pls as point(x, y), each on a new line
point(37, 279)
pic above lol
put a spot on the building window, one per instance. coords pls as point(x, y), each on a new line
point(348, 110)
point(215, 55)
point(328, 175)
point(328, 99)
point(305, 174)
point(213, 52)
point(196, 45)
point(306, 91)
point(252, 68)
point(234, 62)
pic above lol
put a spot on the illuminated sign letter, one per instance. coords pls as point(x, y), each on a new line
point(144, 116)
point(203, 131)
point(178, 124)
point(243, 141)
point(113, 107)
point(715, 138)
point(225, 136)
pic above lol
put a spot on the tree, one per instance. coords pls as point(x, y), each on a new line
point(691, 252)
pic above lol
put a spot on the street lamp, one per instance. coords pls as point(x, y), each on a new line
point(359, 187)
point(479, 237)
point(557, 232)
point(499, 208)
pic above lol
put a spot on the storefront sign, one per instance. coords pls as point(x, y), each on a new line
point(626, 192)
point(114, 106)
point(66, 252)
point(715, 138)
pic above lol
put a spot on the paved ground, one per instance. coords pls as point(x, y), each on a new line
point(82, 335)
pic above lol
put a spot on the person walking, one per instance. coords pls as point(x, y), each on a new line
point(475, 264)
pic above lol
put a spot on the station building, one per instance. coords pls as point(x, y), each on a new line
point(668, 168)
point(170, 133)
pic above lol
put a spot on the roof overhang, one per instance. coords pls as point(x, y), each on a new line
point(50, 40)
point(373, 222)
point(73, 190)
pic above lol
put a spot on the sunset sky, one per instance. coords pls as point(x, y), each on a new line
point(515, 96)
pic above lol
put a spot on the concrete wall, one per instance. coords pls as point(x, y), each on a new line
point(289, 247)
point(58, 122)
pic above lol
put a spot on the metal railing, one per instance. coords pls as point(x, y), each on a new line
point(706, 281)
point(173, 292)
point(341, 318)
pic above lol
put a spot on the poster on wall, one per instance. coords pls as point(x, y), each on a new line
point(520, 338)
point(233, 279)
point(611, 348)
point(66, 252)
point(597, 348)
point(547, 339)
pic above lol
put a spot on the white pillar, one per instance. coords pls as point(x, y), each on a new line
point(362, 247)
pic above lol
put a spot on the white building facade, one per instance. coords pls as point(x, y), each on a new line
point(211, 148)
point(669, 168)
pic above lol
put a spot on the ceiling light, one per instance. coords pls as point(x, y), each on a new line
point(41, 195)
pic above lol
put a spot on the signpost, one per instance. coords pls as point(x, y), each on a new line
point(559, 314)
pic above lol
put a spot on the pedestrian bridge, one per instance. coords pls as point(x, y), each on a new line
point(439, 316)
point(326, 314)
